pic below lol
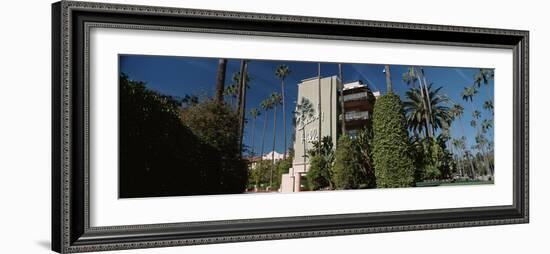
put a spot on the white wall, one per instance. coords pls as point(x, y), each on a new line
point(25, 125)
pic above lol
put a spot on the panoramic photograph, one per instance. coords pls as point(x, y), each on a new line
point(208, 126)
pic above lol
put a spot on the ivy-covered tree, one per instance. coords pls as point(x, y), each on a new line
point(393, 164)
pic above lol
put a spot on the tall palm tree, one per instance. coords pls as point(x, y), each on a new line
point(486, 125)
point(456, 112)
point(254, 113)
point(411, 77)
point(468, 95)
point(266, 105)
point(482, 143)
point(304, 112)
point(220, 79)
point(483, 76)
point(241, 80)
point(231, 91)
point(476, 114)
point(458, 148)
point(467, 154)
point(276, 99)
point(282, 72)
point(236, 82)
point(488, 105)
point(416, 111)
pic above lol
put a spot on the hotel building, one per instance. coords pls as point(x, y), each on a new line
point(324, 95)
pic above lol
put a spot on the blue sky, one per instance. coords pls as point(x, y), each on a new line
point(178, 76)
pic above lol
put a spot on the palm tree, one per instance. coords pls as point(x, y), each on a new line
point(220, 79)
point(486, 125)
point(475, 117)
point(422, 79)
point(254, 113)
point(456, 112)
point(483, 76)
point(456, 144)
point(282, 72)
point(276, 99)
point(488, 105)
point(410, 78)
point(231, 91)
point(476, 114)
point(416, 111)
point(237, 84)
point(482, 143)
point(304, 112)
point(468, 95)
point(467, 154)
point(266, 105)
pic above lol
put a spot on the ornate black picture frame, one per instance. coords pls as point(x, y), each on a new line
point(71, 231)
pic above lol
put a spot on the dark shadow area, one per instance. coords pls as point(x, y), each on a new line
point(171, 148)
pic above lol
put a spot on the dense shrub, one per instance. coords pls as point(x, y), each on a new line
point(160, 156)
point(217, 125)
point(391, 150)
point(259, 175)
point(347, 172)
point(319, 175)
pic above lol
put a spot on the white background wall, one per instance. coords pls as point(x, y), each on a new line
point(25, 126)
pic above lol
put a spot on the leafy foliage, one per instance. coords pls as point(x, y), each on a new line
point(159, 156)
point(391, 154)
point(216, 125)
point(347, 171)
point(321, 159)
point(259, 175)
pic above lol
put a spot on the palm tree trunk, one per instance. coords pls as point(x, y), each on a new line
point(239, 89)
point(486, 157)
point(428, 102)
point(342, 109)
point(460, 164)
point(425, 101)
point(319, 104)
point(263, 136)
point(389, 87)
point(220, 79)
point(284, 115)
point(273, 150)
point(253, 134)
point(472, 165)
point(242, 103)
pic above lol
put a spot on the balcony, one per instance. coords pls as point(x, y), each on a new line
point(353, 116)
point(356, 96)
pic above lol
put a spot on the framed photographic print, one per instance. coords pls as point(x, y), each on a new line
point(181, 126)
